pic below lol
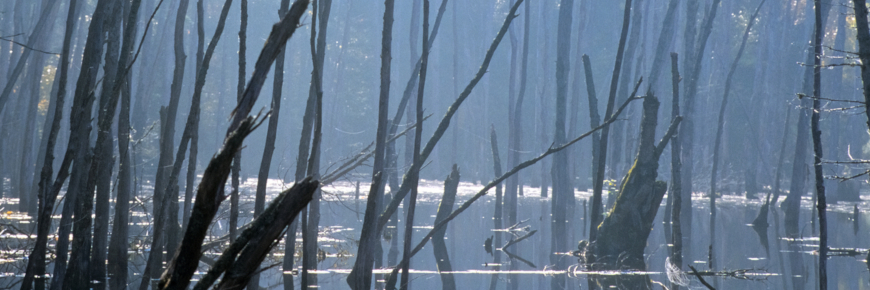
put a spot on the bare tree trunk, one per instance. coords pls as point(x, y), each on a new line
point(598, 181)
point(361, 275)
point(167, 137)
point(499, 208)
point(514, 137)
point(620, 138)
point(234, 195)
point(76, 276)
point(676, 164)
point(623, 234)
point(194, 131)
point(101, 166)
point(817, 146)
point(117, 255)
point(686, 140)
point(184, 264)
point(271, 135)
point(719, 128)
point(563, 192)
point(415, 168)
point(442, 258)
point(47, 196)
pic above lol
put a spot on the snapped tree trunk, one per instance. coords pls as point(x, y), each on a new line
point(623, 234)
point(676, 165)
point(563, 192)
point(442, 259)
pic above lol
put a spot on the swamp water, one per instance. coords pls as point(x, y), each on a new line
point(784, 264)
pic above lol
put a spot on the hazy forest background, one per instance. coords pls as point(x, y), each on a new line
point(560, 144)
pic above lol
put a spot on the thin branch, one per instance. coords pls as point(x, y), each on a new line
point(27, 47)
point(694, 271)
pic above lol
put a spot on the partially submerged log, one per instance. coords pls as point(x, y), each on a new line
point(622, 235)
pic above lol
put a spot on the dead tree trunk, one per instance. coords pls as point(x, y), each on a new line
point(817, 147)
point(623, 234)
point(361, 276)
point(676, 165)
point(186, 259)
point(515, 145)
point(36, 262)
point(416, 165)
point(720, 127)
point(167, 137)
point(234, 194)
point(271, 135)
point(194, 132)
point(442, 258)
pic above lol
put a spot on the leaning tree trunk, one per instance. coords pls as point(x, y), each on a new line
point(46, 196)
point(622, 236)
point(442, 259)
point(76, 275)
point(186, 259)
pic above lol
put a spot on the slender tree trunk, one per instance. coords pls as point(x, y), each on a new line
point(621, 139)
point(415, 169)
point(690, 34)
point(101, 166)
point(515, 142)
point(563, 192)
point(46, 195)
point(237, 167)
point(167, 137)
point(817, 146)
point(271, 135)
point(719, 128)
point(117, 255)
point(76, 276)
point(361, 275)
point(194, 131)
point(676, 164)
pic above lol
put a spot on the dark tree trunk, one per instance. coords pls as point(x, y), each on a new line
point(623, 235)
point(36, 262)
point(167, 143)
point(361, 276)
point(416, 165)
point(194, 132)
point(594, 120)
point(719, 128)
point(271, 135)
point(237, 160)
point(563, 192)
point(676, 164)
point(821, 202)
point(616, 164)
point(442, 260)
point(76, 276)
point(515, 145)
point(184, 264)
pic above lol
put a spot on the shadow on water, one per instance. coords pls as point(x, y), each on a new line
point(763, 260)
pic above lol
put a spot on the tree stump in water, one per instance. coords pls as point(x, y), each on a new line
point(622, 236)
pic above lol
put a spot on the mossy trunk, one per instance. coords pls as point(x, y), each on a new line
point(622, 236)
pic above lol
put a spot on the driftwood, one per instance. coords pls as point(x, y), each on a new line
point(186, 259)
point(622, 235)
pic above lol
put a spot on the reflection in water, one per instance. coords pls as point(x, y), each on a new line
point(778, 262)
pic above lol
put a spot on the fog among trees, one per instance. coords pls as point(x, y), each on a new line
point(510, 144)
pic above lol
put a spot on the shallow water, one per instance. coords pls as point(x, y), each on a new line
point(738, 246)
